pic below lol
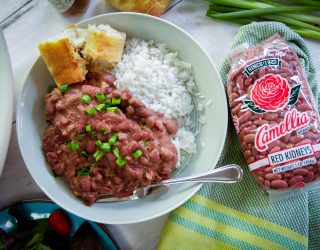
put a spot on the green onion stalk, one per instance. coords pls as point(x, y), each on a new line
point(300, 15)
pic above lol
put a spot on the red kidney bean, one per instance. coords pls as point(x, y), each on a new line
point(286, 138)
point(250, 160)
point(300, 171)
point(310, 177)
point(275, 149)
point(261, 173)
point(248, 82)
point(310, 168)
point(233, 96)
point(247, 153)
point(274, 144)
point(279, 184)
point(249, 138)
point(310, 135)
point(267, 183)
point(236, 109)
point(244, 117)
point(296, 179)
point(288, 175)
point(295, 139)
point(283, 145)
point(260, 179)
point(234, 104)
point(270, 116)
point(268, 170)
point(259, 122)
point(304, 141)
point(272, 177)
point(290, 145)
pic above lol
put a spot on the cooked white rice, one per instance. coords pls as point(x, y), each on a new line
point(162, 81)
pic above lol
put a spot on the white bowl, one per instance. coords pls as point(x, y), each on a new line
point(31, 125)
point(6, 100)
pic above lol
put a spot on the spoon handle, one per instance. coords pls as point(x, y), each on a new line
point(227, 174)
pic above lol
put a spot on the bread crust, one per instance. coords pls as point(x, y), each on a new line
point(64, 63)
point(152, 7)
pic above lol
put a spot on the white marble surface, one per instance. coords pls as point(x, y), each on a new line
point(36, 20)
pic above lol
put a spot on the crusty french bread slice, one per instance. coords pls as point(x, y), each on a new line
point(69, 55)
point(62, 57)
point(103, 43)
point(64, 63)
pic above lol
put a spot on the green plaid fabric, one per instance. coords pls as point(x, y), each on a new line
point(240, 215)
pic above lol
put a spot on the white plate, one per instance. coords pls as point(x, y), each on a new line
point(31, 125)
point(6, 100)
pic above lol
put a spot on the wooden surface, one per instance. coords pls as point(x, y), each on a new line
point(27, 22)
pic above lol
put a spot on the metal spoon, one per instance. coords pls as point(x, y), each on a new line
point(227, 174)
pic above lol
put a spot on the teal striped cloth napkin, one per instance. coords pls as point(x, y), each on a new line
point(240, 216)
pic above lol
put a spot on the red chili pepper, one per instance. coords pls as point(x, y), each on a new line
point(60, 222)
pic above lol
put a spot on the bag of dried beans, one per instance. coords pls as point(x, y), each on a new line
point(275, 115)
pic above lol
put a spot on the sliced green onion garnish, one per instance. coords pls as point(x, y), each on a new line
point(84, 153)
point(104, 131)
point(85, 99)
point(100, 96)
point(73, 145)
point(91, 111)
point(100, 106)
point(105, 147)
point(142, 126)
point(112, 109)
point(88, 128)
point(108, 102)
point(98, 143)
point(145, 142)
point(136, 154)
point(120, 161)
point(93, 165)
point(97, 155)
point(82, 134)
point(84, 171)
point(64, 88)
point(113, 139)
point(116, 152)
point(115, 101)
point(94, 133)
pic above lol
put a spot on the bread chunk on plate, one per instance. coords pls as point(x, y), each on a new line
point(62, 56)
point(69, 55)
point(64, 63)
point(104, 43)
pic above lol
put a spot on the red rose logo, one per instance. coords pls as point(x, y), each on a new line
point(270, 93)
